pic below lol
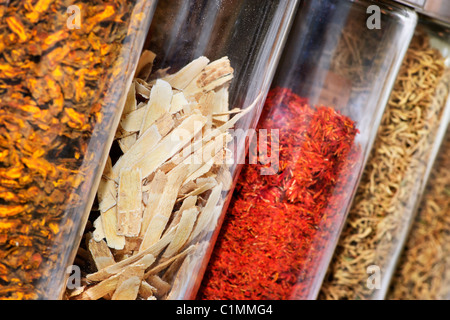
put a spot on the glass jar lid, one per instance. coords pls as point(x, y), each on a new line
point(438, 9)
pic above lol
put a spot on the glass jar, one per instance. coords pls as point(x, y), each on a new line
point(64, 69)
point(422, 270)
point(314, 136)
point(199, 89)
point(396, 173)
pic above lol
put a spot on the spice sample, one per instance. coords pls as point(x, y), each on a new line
point(423, 271)
point(279, 222)
point(393, 178)
point(61, 88)
point(162, 193)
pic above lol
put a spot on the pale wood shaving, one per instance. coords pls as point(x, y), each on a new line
point(109, 227)
point(162, 287)
point(168, 262)
point(165, 206)
point(146, 291)
point(99, 233)
point(138, 151)
point(129, 203)
point(132, 121)
point(100, 253)
point(227, 113)
point(101, 289)
point(130, 279)
point(128, 284)
point(202, 185)
point(184, 229)
point(190, 265)
point(145, 64)
point(155, 191)
point(141, 89)
point(206, 104)
point(132, 245)
point(159, 103)
point(127, 142)
point(170, 145)
point(165, 124)
point(130, 102)
point(188, 203)
point(106, 193)
point(225, 178)
point(186, 75)
point(119, 266)
point(179, 101)
point(206, 214)
point(220, 105)
point(212, 76)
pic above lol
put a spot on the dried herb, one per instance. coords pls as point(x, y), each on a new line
point(60, 91)
point(163, 194)
point(280, 226)
point(395, 174)
point(423, 271)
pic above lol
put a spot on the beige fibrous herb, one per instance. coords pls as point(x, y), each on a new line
point(423, 272)
point(164, 192)
point(394, 175)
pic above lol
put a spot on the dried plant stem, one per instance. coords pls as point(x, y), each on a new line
point(394, 175)
point(424, 269)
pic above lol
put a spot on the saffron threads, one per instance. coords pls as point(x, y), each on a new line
point(280, 228)
point(423, 272)
point(394, 176)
